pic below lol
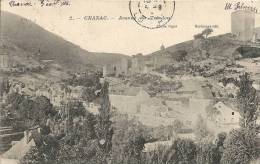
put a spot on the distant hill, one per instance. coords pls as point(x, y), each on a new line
point(30, 37)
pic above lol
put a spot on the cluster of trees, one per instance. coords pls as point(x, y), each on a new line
point(90, 83)
point(128, 140)
point(240, 146)
point(4, 86)
point(75, 109)
point(88, 141)
point(26, 112)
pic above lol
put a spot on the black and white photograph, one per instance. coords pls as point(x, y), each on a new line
point(129, 81)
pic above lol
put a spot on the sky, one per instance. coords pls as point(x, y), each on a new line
point(126, 36)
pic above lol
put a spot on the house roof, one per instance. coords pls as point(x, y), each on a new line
point(19, 150)
point(221, 106)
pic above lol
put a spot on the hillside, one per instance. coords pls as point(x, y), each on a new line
point(31, 38)
point(18, 55)
point(215, 57)
point(221, 46)
point(36, 71)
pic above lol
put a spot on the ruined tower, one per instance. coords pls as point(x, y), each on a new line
point(243, 24)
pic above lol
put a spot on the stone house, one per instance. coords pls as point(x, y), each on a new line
point(226, 115)
point(116, 69)
point(128, 101)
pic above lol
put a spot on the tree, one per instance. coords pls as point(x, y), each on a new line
point(76, 109)
point(207, 153)
point(183, 151)
point(44, 153)
point(211, 153)
point(104, 130)
point(204, 34)
point(220, 139)
point(205, 46)
point(43, 108)
point(154, 157)
point(27, 112)
point(239, 147)
point(43, 104)
point(15, 99)
point(134, 149)
point(128, 139)
point(247, 102)
point(220, 146)
point(89, 94)
point(4, 86)
point(207, 32)
point(90, 126)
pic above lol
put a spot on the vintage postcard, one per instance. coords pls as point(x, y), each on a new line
point(130, 82)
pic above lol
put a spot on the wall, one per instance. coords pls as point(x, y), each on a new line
point(116, 69)
point(226, 116)
point(129, 104)
point(5, 61)
point(257, 32)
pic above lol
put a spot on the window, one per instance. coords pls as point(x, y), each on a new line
point(233, 113)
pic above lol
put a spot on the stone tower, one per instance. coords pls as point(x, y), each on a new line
point(243, 24)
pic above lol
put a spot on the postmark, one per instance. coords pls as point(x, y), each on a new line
point(152, 14)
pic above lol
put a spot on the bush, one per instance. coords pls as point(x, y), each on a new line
point(207, 154)
point(240, 147)
point(182, 151)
